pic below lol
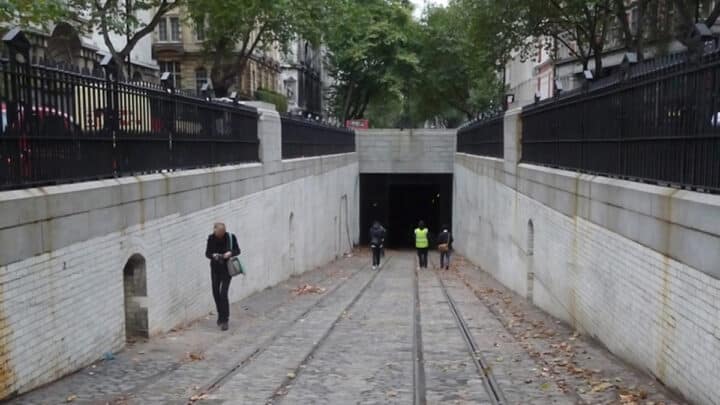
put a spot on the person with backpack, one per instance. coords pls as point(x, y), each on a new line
point(422, 244)
point(377, 241)
point(445, 241)
point(221, 246)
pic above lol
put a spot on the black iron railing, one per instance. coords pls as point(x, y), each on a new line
point(483, 137)
point(304, 138)
point(60, 126)
point(658, 124)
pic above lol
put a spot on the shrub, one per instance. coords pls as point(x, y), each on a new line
point(269, 96)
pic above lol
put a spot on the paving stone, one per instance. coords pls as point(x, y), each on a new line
point(368, 357)
point(354, 343)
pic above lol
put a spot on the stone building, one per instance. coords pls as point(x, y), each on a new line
point(63, 45)
point(177, 45)
point(302, 77)
point(542, 73)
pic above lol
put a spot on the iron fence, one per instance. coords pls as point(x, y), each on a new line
point(305, 138)
point(654, 123)
point(62, 126)
point(483, 137)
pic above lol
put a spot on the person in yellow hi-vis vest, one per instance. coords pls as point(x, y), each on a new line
point(422, 244)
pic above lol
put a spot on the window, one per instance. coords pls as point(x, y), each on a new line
point(201, 78)
point(199, 30)
point(162, 30)
point(171, 23)
point(175, 28)
point(634, 21)
point(174, 69)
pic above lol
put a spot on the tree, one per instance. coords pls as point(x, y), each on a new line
point(688, 13)
point(27, 13)
point(370, 52)
point(237, 29)
point(496, 28)
point(634, 41)
point(458, 71)
point(582, 26)
point(121, 18)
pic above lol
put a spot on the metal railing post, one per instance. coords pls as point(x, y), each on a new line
point(19, 109)
point(111, 116)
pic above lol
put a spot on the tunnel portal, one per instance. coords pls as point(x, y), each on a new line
point(399, 201)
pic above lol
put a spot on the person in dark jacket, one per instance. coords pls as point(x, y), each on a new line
point(377, 240)
point(445, 238)
point(219, 249)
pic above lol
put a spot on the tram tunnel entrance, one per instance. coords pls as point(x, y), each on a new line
point(399, 201)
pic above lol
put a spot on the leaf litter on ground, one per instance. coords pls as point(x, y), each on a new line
point(308, 289)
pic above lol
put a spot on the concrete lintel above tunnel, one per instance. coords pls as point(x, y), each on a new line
point(406, 150)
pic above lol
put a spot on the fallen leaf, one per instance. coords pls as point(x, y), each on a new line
point(198, 397)
point(308, 289)
point(601, 387)
point(195, 356)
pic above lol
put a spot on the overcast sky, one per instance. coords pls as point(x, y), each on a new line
point(420, 5)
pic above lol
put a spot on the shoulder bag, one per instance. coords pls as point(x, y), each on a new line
point(234, 265)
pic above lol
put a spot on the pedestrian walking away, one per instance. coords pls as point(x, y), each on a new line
point(377, 242)
point(221, 246)
point(422, 244)
point(445, 241)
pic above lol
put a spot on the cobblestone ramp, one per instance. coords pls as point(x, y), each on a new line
point(359, 341)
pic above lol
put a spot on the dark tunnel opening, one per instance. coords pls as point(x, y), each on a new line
point(399, 201)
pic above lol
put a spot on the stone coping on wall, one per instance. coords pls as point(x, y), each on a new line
point(407, 131)
point(406, 151)
point(681, 224)
point(39, 220)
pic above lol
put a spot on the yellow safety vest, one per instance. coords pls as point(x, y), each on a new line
point(421, 238)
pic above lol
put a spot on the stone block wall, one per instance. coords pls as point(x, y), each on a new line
point(633, 265)
point(66, 274)
point(406, 151)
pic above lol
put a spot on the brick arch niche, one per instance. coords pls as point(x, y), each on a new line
point(135, 291)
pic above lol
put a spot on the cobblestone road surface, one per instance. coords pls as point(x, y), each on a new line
point(356, 341)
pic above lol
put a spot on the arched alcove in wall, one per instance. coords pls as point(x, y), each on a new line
point(530, 238)
point(135, 289)
point(291, 241)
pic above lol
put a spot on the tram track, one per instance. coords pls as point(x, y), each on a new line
point(419, 394)
point(217, 382)
point(484, 369)
point(282, 390)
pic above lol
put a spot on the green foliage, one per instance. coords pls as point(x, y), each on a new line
point(269, 96)
point(120, 17)
point(458, 73)
point(236, 29)
point(370, 52)
point(27, 13)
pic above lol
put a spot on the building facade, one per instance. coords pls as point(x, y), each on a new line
point(65, 46)
point(178, 47)
point(554, 66)
point(530, 77)
point(302, 70)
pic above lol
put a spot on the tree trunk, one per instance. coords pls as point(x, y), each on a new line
point(597, 55)
point(348, 96)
